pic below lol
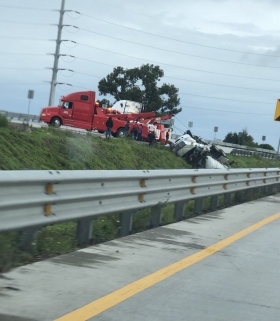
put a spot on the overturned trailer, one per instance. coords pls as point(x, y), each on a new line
point(198, 153)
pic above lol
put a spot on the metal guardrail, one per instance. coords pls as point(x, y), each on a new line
point(243, 147)
point(20, 116)
point(32, 199)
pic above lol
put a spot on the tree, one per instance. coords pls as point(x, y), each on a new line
point(141, 84)
point(242, 138)
point(105, 102)
point(266, 146)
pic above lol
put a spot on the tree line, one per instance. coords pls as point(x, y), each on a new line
point(243, 138)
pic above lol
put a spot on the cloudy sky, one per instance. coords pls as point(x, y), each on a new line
point(223, 55)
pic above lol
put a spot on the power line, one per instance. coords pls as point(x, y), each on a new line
point(180, 121)
point(222, 85)
point(15, 84)
point(77, 72)
point(226, 111)
point(169, 38)
point(243, 101)
point(24, 8)
point(97, 62)
point(111, 5)
point(193, 69)
point(143, 58)
point(28, 23)
point(229, 86)
point(81, 73)
point(21, 54)
point(12, 68)
point(177, 52)
point(228, 99)
point(25, 38)
point(178, 129)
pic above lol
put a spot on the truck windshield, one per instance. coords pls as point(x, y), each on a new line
point(60, 103)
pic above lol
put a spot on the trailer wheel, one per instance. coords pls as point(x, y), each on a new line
point(56, 122)
point(101, 131)
point(121, 132)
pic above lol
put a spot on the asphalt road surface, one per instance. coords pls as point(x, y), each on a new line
point(221, 266)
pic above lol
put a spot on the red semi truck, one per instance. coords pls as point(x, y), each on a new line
point(80, 110)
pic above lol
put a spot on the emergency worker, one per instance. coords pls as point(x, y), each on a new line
point(151, 137)
point(167, 136)
point(109, 125)
point(140, 131)
point(135, 130)
point(126, 127)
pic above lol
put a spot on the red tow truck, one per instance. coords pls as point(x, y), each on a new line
point(80, 110)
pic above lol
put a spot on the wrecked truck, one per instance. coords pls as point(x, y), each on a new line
point(198, 153)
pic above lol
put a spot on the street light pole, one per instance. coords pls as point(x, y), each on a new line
point(263, 139)
point(215, 131)
point(30, 96)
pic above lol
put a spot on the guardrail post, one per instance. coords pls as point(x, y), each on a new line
point(270, 189)
point(278, 187)
point(238, 197)
point(28, 236)
point(214, 202)
point(156, 217)
point(227, 198)
point(126, 219)
point(84, 230)
point(263, 190)
point(179, 210)
point(257, 191)
point(198, 205)
point(249, 193)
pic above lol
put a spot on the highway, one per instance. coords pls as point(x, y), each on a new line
point(224, 265)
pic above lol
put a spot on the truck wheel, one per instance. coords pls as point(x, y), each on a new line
point(222, 153)
point(120, 132)
point(56, 122)
point(101, 131)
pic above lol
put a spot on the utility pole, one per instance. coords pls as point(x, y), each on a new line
point(56, 55)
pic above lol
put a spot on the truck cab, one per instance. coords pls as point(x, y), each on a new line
point(76, 110)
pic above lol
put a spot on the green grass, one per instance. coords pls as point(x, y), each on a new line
point(49, 148)
point(54, 149)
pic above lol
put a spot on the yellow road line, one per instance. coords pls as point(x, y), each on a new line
point(106, 302)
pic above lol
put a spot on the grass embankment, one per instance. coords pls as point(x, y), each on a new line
point(53, 149)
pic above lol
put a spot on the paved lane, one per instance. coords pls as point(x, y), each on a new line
point(241, 282)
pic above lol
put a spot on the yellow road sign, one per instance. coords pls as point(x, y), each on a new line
point(277, 111)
